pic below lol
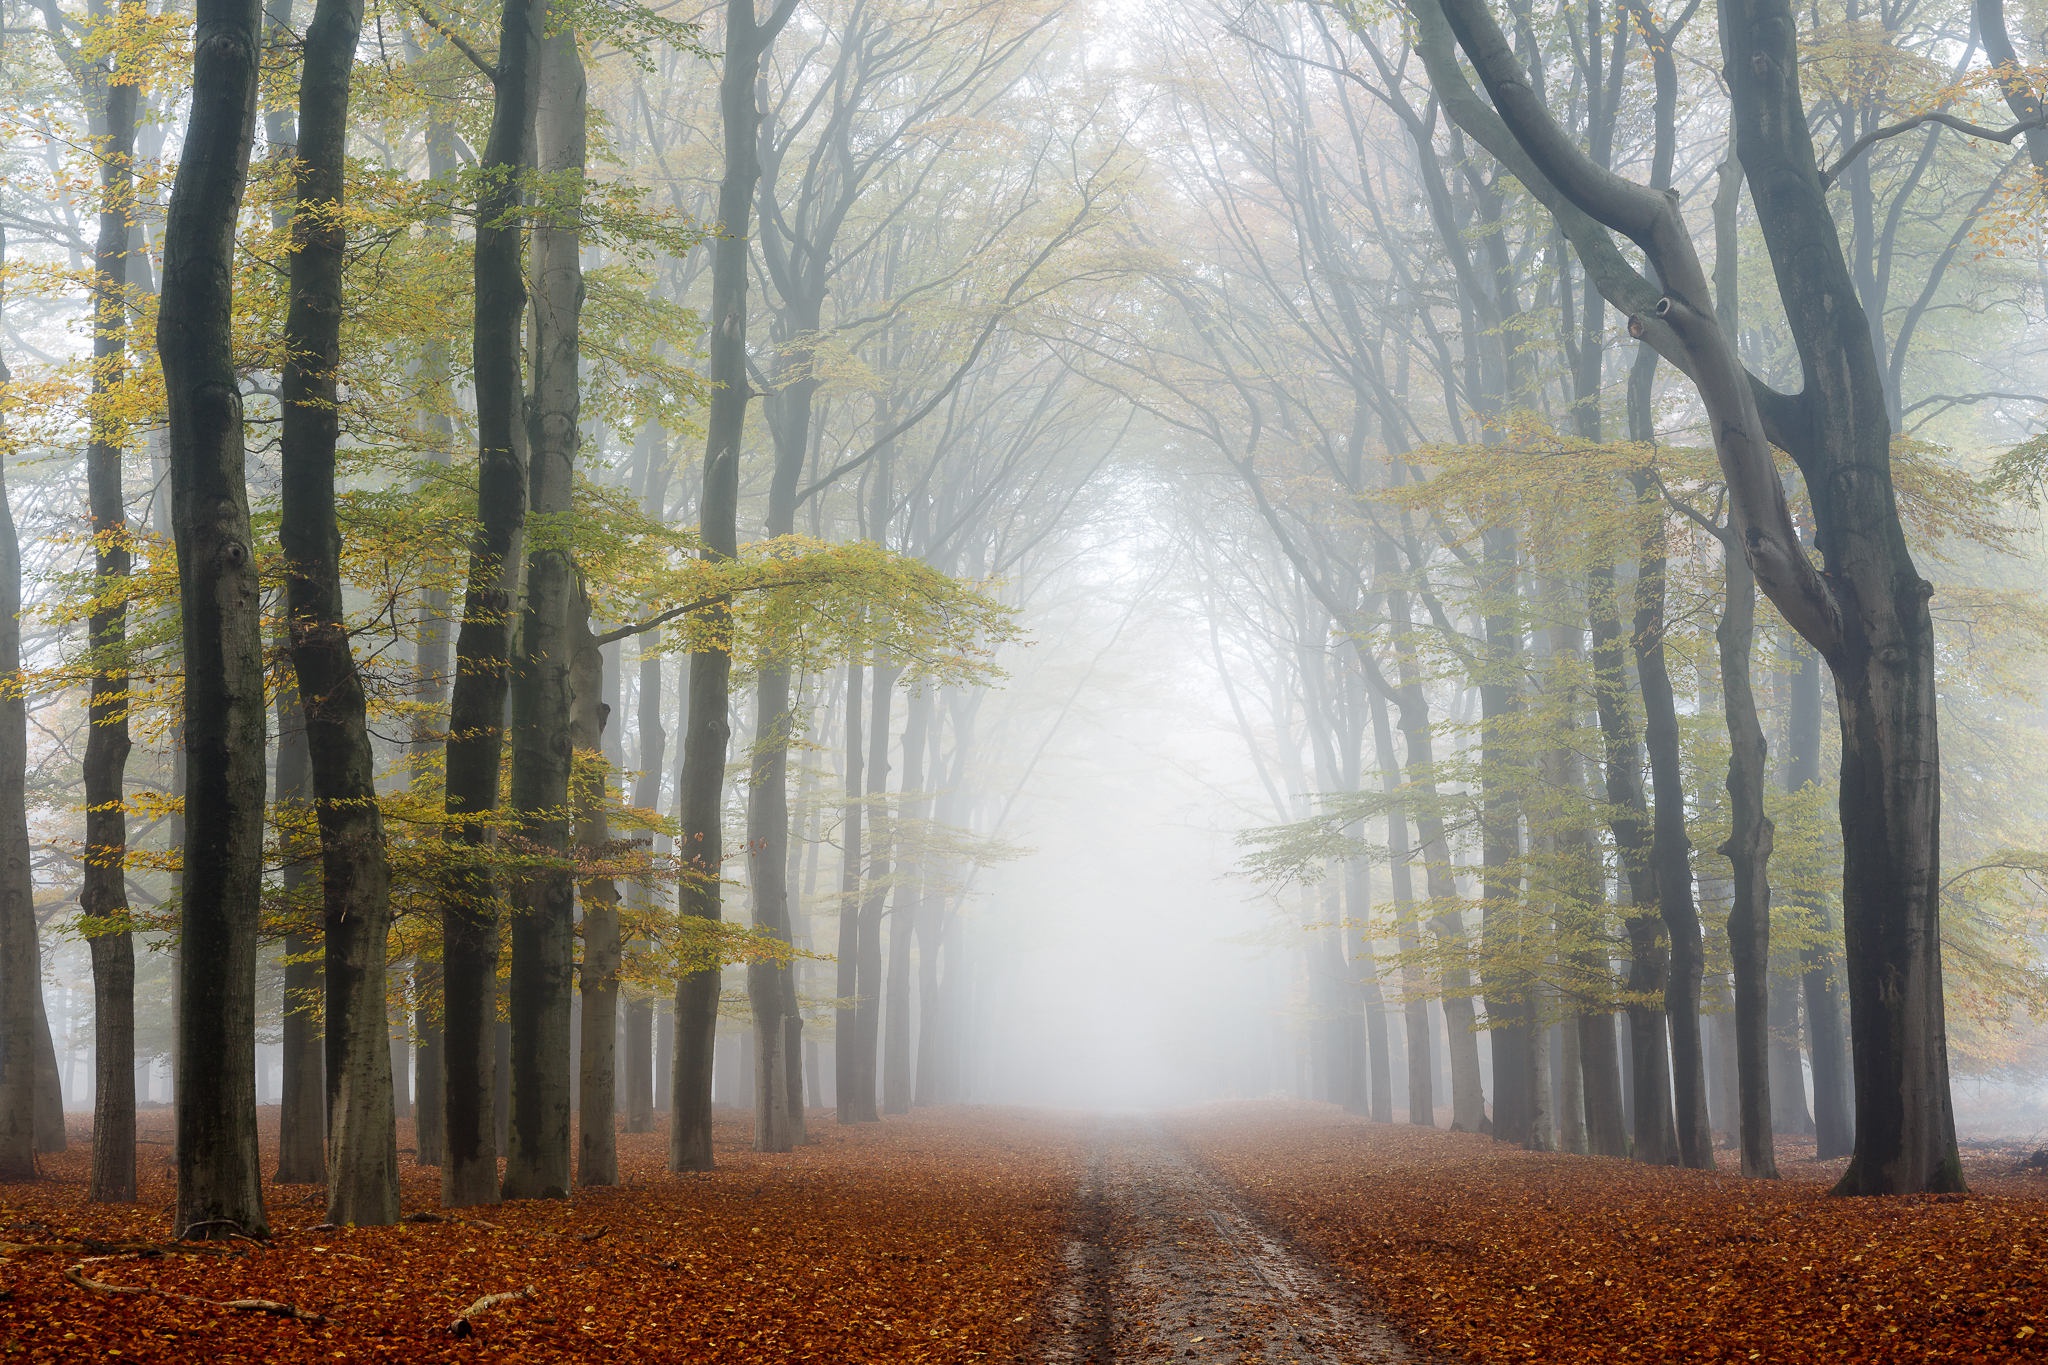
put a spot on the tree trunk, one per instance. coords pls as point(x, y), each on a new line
point(1834, 1116)
point(20, 981)
point(1648, 1099)
point(537, 1164)
point(909, 839)
point(103, 892)
point(220, 611)
point(597, 1153)
point(708, 731)
point(1407, 933)
point(476, 704)
point(1670, 849)
point(302, 1101)
point(430, 688)
point(362, 1170)
point(1749, 850)
point(846, 1081)
point(869, 981)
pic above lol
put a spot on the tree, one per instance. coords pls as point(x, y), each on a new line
point(362, 1167)
point(701, 839)
point(103, 895)
point(220, 614)
point(543, 747)
point(483, 644)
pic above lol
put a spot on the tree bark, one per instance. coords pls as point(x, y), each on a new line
point(362, 1170)
point(20, 980)
point(846, 1073)
point(483, 643)
point(597, 1151)
point(1670, 849)
point(908, 839)
point(1407, 933)
point(220, 612)
point(302, 1101)
point(1649, 1089)
point(1749, 851)
point(542, 986)
point(1834, 1103)
point(708, 731)
point(103, 892)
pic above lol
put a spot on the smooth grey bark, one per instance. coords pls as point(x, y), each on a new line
point(302, 1098)
point(220, 614)
point(597, 1150)
point(1748, 850)
point(432, 664)
point(542, 987)
point(103, 889)
point(908, 838)
point(483, 644)
point(847, 1085)
point(1834, 1102)
point(1670, 848)
point(880, 842)
point(362, 1141)
point(708, 731)
point(1420, 1067)
point(20, 979)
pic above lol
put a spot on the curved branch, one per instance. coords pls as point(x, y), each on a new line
point(1892, 130)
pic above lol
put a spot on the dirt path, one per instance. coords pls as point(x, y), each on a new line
point(1165, 1266)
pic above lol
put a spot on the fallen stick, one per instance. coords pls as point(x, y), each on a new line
point(94, 1247)
point(462, 1326)
point(602, 1229)
point(76, 1274)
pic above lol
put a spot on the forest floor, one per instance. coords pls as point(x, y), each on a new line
point(929, 1239)
point(1241, 1233)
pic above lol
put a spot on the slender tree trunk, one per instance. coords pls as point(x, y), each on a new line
point(709, 730)
point(1648, 1097)
point(846, 1089)
point(483, 644)
point(220, 610)
point(362, 1171)
point(302, 1101)
point(1510, 1001)
point(542, 984)
point(1749, 850)
point(20, 981)
point(1834, 1103)
point(908, 838)
point(597, 1154)
point(103, 893)
point(881, 850)
point(1670, 848)
point(430, 694)
point(1407, 933)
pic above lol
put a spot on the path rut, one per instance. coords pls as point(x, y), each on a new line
point(1165, 1265)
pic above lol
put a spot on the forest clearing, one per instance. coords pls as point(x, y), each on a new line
point(1249, 1232)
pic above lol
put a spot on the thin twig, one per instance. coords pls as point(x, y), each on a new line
point(489, 69)
point(76, 1274)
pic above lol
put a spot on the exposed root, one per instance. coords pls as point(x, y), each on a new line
point(76, 1274)
point(91, 1246)
point(463, 1326)
point(601, 1230)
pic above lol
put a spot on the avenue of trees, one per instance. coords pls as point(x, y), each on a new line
point(516, 512)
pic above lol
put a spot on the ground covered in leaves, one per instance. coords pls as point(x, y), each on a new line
point(925, 1239)
point(1492, 1255)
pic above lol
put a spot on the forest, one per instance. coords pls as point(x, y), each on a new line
point(1062, 681)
